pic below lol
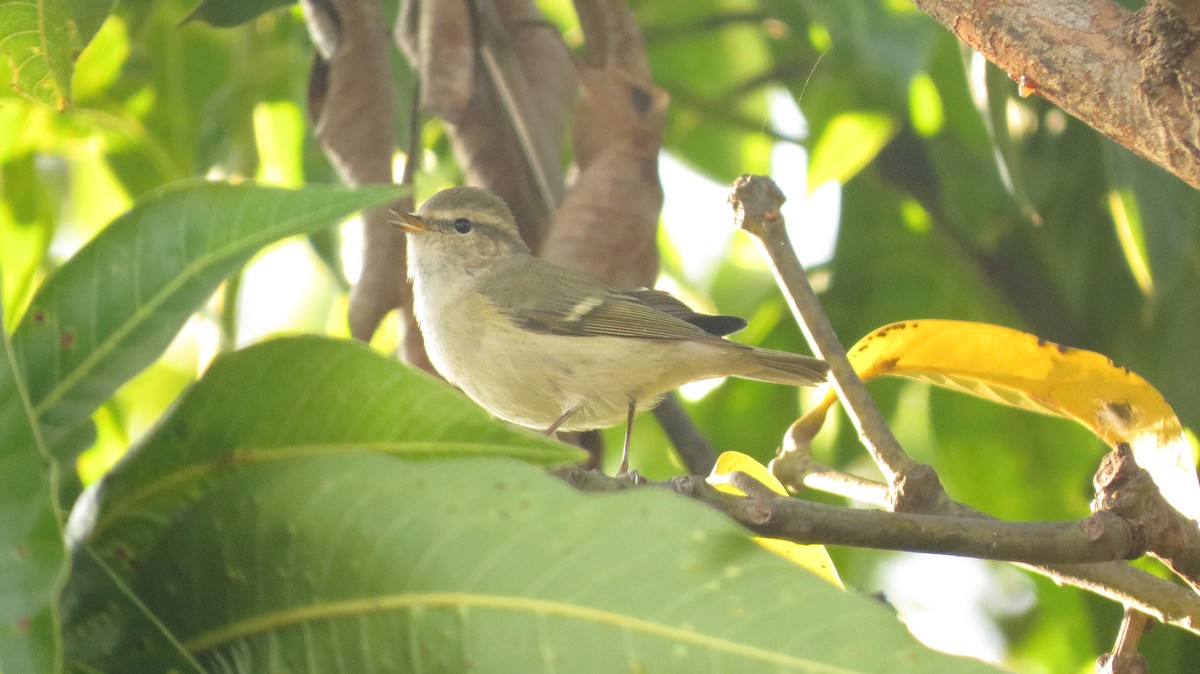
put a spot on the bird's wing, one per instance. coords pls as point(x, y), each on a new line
point(545, 298)
point(714, 324)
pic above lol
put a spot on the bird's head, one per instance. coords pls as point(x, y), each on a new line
point(465, 225)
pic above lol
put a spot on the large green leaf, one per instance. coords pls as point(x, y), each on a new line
point(113, 307)
point(280, 401)
point(368, 563)
point(31, 549)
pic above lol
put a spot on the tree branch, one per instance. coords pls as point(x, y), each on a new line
point(1066, 551)
point(1146, 524)
point(1124, 488)
point(1121, 583)
point(1133, 76)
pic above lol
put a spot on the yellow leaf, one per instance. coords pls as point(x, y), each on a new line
point(812, 557)
point(1019, 369)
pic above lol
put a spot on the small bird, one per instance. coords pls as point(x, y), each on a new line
point(550, 348)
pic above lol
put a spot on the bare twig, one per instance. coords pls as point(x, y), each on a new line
point(756, 201)
point(1118, 582)
point(800, 469)
point(1125, 658)
point(1121, 583)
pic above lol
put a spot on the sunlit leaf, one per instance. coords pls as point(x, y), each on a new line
point(364, 563)
point(1157, 219)
point(100, 66)
point(812, 557)
point(115, 305)
point(26, 227)
point(31, 551)
point(1128, 222)
point(279, 137)
point(1019, 369)
point(849, 142)
point(925, 106)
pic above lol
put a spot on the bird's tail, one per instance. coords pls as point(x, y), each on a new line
point(781, 367)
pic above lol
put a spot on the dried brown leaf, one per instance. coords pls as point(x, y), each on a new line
point(612, 37)
point(485, 138)
point(443, 53)
point(606, 225)
point(351, 104)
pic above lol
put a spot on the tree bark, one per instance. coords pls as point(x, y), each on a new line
point(1133, 76)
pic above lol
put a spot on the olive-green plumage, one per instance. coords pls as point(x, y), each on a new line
point(547, 347)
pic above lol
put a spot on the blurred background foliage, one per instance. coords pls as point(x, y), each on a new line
point(921, 185)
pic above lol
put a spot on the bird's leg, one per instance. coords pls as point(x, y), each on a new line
point(628, 435)
point(561, 420)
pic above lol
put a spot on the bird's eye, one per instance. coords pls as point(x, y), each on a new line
point(462, 225)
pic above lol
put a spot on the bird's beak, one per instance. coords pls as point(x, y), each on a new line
point(410, 222)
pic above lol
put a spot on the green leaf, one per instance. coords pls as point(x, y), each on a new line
point(367, 563)
point(36, 39)
point(1156, 217)
point(113, 307)
point(87, 16)
point(847, 145)
point(31, 550)
point(290, 398)
point(90, 634)
point(227, 13)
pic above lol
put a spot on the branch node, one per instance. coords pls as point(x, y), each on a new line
point(758, 513)
point(918, 490)
point(1126, 490)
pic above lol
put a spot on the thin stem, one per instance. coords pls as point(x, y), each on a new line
point(756, 201)
point(693, 448)
point(831, 481)
point(1125, 658)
